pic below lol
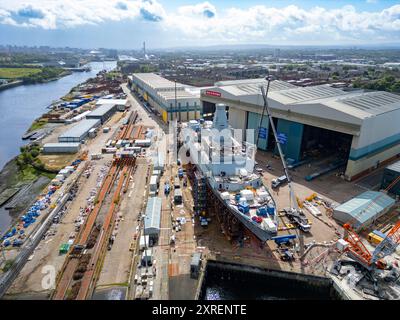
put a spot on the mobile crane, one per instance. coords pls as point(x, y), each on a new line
point(294, 213)
point(360, 252)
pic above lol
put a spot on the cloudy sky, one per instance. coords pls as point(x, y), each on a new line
point(127, 23)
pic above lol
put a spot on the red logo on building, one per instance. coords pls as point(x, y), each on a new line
point(213, 93)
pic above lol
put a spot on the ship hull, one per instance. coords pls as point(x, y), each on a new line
point(261, 234)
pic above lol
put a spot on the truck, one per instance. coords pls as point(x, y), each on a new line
point(95, 156)
point(178, 196)
point(275, 183)
point(180, 173)
point(167, 189)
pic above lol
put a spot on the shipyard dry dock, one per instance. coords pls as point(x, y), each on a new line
point(118, 266)
point(230, 281)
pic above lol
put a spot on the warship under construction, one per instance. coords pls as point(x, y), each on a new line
point(228, 167)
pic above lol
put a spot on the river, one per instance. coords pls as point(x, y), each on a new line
point(21, 105)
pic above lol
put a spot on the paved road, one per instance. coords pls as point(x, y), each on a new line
point(161, 251)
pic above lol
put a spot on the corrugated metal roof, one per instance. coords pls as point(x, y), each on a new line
point(366, 205)
point(310, 93)
point(155, 81)
point(373, 102)
point(239, 82)
point(153, 213)
point(253, 88)
point(357, 103)
point(394, 167)
point(119, 102)
point(158, 160)
point(101, 111)
point(80, 128)
point(61, 144)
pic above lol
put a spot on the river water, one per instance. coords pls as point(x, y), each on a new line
point(19, 106)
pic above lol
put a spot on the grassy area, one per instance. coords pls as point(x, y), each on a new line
point(17, 73)
point(38, 124)
point(29, 165)
point(32, 75)
point(29, 173)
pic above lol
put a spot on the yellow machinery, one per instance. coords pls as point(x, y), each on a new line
point(299, 202)
point(311, 197)
point(374, 238)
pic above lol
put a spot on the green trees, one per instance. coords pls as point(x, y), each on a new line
point(46, 73)
point(385, 83)
point(29, 155)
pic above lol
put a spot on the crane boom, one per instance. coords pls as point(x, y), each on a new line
point(388, 245)
point(285, 168)
point(385, 248)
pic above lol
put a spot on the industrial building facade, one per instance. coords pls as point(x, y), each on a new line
point(102, 113)
point(80, 131)
point(391, 178)
point(361, 128)
point(121, 104)
point(173, 101)
point(364, 209)
point(61, 147)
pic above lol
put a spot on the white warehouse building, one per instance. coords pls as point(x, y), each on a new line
point(160, 94)
point(360, 128)
point(79, 131)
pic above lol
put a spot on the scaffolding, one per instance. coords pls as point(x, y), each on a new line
point(199, 194)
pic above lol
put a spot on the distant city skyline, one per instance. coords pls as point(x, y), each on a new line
point(125, 24)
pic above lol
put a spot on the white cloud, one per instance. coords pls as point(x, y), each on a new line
point(291, 24)
point(202, 10)
point(52, 14)
point(202, 21)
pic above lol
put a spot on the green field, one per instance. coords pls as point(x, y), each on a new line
point(16, 73)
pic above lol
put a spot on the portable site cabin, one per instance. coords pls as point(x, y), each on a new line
point(158, 162)
point(152, 220)
point(142, 143)
point(144, 242)
point(153, 183)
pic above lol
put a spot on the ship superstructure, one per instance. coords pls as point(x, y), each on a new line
point(229, 168)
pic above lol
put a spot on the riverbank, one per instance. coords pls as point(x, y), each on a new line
point(23, 106)
point(23, 82)
point(11, 85)
point(25, 187)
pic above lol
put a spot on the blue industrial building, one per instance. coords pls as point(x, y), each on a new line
point(351, 128)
